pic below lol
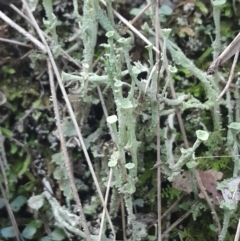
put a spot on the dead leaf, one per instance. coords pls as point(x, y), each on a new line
point(182, 182)
point(209, 180)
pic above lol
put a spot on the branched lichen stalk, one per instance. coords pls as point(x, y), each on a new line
point(89, 32)
point(216, 18)
point(125, 43)
point(237, 97)
point(236, 158)
point(216, 114)
point(210, 88)
point(52, 21)
point(216, 52)
point(180, 59)
point(110, 11)
point(166, 33)
point(150, 53)
point(126, 140)
point(229, 107)
point(104, 21)
point(92, 78)
point(186, 155)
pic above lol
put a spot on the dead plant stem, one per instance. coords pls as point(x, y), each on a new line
point(65, 153)
point(159, 186)
point(230, 76)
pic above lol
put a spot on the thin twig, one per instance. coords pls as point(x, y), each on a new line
point(26, 54)
point(230, 76)
point(3, 161)
point(178, 221)
point(3, 171)
point(154, 68)
point(207, 157)
point(23, 31)
point(20, 13)
point(140, 13)
point(98, 59)
point(104, 208)
point(172, 207)
point(15, 42)
point(237, 235)
point(159, 182)
point(123, 218)
point(10, 213)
